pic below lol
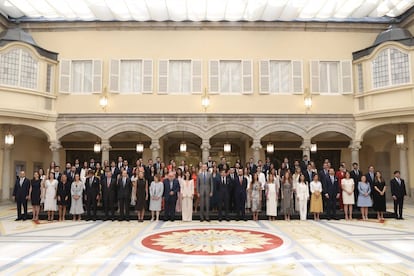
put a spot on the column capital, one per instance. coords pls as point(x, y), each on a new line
point(155, 144)
point(205, 145)
point(306, 144)
point(402, 147)
point(355, 145)
point(55, 145)
point(105, 145)
point(256, 145)
point(7, 147)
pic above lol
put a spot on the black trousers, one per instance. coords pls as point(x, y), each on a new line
point(91, 205)
point(124, 208)
point(240, 206)
point(331, 206)
point(108, 202)
point(169, 212)
point(398, 206)
point(224, 200)
point(19, 203)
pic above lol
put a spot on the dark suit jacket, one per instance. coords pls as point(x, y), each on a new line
point(124, 192)
point(308, 178)
point(129, 171)
point(370, 180)
point(355, 177)
point(167, 188)
point(220, 187)
point(396, 189)
point(92, 190)
point(332, 189)
point(323, 178)
point(115, 172)
point(20, 193)
point(240, 189)
point(110, 192)
point(64, 191)
point(253, 168)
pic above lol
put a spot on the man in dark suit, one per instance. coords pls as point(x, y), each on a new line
point(114, 170)
point(240, 195)
point(92, 194)
point(21, 195)
point(398, 192)
point(232, 178)
point(127, 168)
point(370, 177)
point(171, 188)
point(309, 174)
point(223, 189)
point(124, 195)
point(252, 167)
point(304, 163)
point(331, 191)
point(356, 176)
point(57, 173)
point(108, 194)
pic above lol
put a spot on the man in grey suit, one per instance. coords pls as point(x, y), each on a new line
point(205, 191)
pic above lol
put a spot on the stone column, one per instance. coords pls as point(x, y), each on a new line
point(155, 147)
point(355, 146)
point(306, 145)
point(55, 146)
point(256, 146)
point(105, 147)
point(205, 150)
point(404, 166)
point(7, 181)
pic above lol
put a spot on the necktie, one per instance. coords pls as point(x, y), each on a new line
point(222, 181)
point(123, 181)
point(90, 182)
point(241, 180)
point(332, 179)
point(204, 176)
point(171, 185)
point(108, 182)
point(71, 175)
point(21, 181)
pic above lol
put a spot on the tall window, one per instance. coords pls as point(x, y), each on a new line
point(331, 77)
point(179, 76)
point(18, 68)
point(390, 67)
point(230, 76)
point(131, 76)
point(280, 76)
point(360, 78)
point(49, 78)
point(81, 76)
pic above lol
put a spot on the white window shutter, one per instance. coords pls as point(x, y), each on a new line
point(163, 77)
point(314, 70)
point(147, 72)
point(196, 76)
point(114, 77)
point(264, 73)
point(64, 74)
point(297, 80)
point(97, 76)
point(247, 78)
point(214, 76)
point(346, 76)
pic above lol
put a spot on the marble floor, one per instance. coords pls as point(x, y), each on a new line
point(208, 248)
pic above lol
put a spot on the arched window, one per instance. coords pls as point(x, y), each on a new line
point(390, 67)
point(18, 68)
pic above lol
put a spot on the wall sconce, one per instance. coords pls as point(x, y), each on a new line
point(227, 147)
point(140, 147)
point(183, 147)
point(97, 147)
point(314, 148)
point(270, 148)
point(103, 101)
point(205, 100)
point(308, 102)
point(399, 138)
point(9, 139)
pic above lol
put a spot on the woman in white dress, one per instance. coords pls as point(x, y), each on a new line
point(156, 192)
point(272, 186)
point(50, 196)
point(302, 195)
point(187, 194)
point(76, 190)
point(348, 198)
point(84, 172)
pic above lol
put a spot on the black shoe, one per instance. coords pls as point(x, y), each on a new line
point(401, 218)
point(201, 220)
point(245, 219)
point(18, 219)
point(227, 219)
point(208, 220)
point(219, 219)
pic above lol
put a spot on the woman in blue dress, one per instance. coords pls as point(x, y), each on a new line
point(364, 197)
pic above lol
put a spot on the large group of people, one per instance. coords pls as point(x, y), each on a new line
point(291, 188)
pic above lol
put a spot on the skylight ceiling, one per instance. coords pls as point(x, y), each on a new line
point(204, 10)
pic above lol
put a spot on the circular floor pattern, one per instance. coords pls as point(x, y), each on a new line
point(212, 241)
